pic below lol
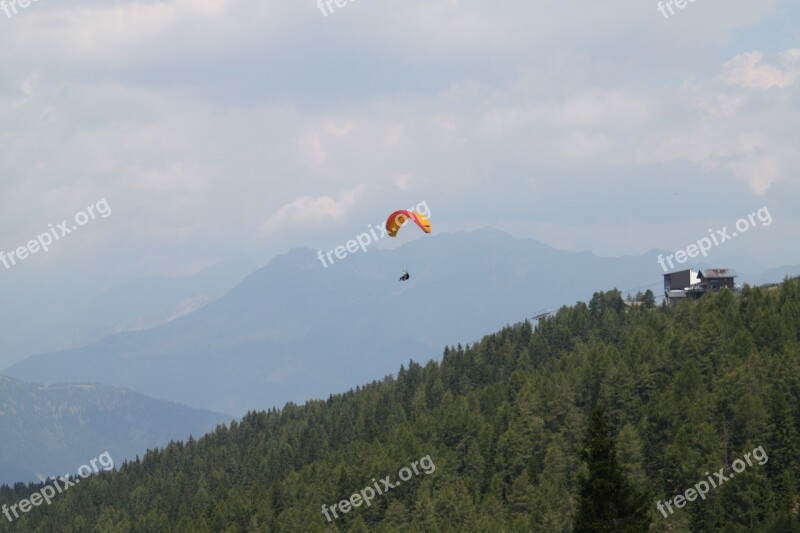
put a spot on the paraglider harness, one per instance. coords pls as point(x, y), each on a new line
point(405, 276)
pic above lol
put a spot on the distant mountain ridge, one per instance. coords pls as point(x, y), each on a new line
point(43, 319)
point(54, 430)
point(294, 330)
point(152, 300)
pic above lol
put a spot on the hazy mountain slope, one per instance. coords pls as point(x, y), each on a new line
point(294, 330)
point(40, 318)
point(775, 275)
point(150, 301)
point(53, 430)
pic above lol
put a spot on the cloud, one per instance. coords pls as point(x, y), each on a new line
point(308, 209)
point(27, 88)
point(402, 181)
point(759, 172)
point(707, 144)
point(732, 121)
point(748, 71)
point(462, 103)
point(602, 109)
point(582, 145)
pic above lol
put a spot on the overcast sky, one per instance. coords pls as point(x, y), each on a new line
point(215, 127)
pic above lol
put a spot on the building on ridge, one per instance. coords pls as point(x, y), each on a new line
point(693, 284)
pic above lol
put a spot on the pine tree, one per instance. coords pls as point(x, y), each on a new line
point(649, 299)
point(608, 502)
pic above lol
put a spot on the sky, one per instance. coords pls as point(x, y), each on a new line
point(211, 129)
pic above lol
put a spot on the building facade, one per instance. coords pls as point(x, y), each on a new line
point(693, 284)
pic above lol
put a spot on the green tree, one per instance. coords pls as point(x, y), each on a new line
point(608, 502)
point(649, 299)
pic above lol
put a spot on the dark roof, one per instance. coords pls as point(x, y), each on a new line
point(717, 273)
point(677, 272)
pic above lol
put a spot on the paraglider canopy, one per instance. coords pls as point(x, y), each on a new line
point(398, 218)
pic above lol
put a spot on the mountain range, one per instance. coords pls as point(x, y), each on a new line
point(295, 330)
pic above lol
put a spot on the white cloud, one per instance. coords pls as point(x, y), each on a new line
point(308, 209)
point(582, 145)
point(311, 151)
point(124, 32)
point(748, 71)
point(707, 143)
point(733, 122)
point(759, 172)
point(601, 109)
point(27, 88)
point(402, 181)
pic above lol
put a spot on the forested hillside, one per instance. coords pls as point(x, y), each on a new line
point(686, 390)
point(49, 430)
